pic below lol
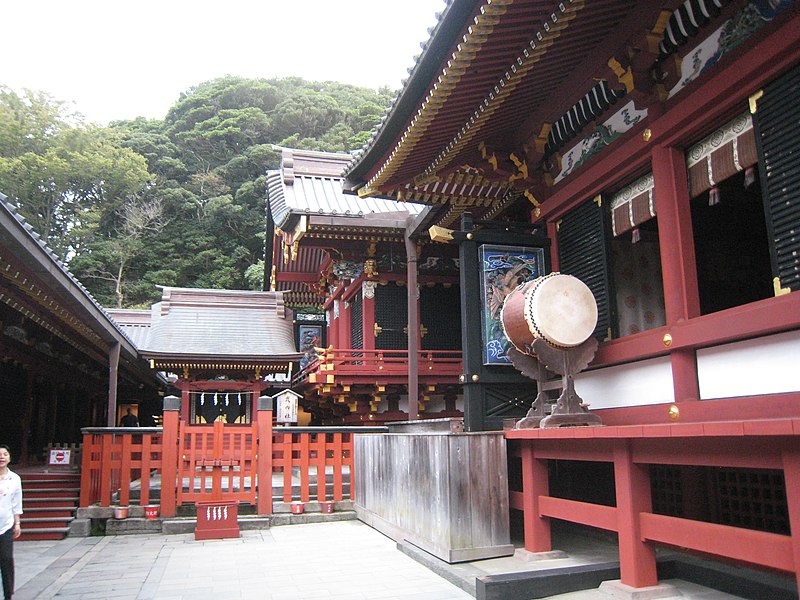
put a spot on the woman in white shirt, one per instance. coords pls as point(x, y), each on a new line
point(10, 511)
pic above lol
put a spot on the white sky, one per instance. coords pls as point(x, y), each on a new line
point(116, 59)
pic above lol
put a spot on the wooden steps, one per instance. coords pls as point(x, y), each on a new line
point(49, 502)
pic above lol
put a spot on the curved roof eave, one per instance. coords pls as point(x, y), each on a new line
point(450, 23)
point(18, 234)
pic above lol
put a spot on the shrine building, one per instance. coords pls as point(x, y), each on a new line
point(348, 259)
point(648, 149)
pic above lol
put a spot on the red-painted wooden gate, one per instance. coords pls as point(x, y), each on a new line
point(217, 463)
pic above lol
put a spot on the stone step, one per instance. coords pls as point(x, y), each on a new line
point(43, 533)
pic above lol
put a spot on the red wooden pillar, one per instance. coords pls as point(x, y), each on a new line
point(217, 443)
point(186, 399)
point(332, 336)
point(791, 474)
point(345, 325)
point(169, 458)
point(535, 483)
point(264, 457)
point(678, 263)
point(87, 475)
point(637, 559)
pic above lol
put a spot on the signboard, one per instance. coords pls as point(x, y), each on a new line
point(286, 406)
point(60, 457)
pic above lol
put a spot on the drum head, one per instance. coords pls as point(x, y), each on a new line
point(561, 310)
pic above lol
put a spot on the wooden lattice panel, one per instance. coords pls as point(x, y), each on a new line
point(665, 481)
point(752, 498)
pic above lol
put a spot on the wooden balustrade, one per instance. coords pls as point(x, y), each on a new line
point(113, 458)
point(358, 361)
point(219, 461)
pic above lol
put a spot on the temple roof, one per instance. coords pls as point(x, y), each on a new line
point(309, 183)
point(471, 127)
point(223, 324)
point(306, 201)
point(49, 294)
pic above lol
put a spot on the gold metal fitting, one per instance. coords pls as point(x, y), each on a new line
point(475, 378)
point(667, 340)
point(647, 134)
point(674, 412)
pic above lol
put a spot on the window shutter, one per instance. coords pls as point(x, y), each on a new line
point(778, 127)
point(583, 251)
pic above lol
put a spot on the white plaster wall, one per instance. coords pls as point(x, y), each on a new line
point(633, 384)
point(765, 365)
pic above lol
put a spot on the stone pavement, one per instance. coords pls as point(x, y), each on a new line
point(343, 560)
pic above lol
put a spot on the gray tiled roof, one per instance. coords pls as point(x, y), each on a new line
point(26, 243)
point(310, 183)
point(199, 322)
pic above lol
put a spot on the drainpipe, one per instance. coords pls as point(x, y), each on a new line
point(413, 327)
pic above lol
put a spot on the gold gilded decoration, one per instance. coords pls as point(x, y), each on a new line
point(370, 268)
point(674, 412)
point(753, 100)
point(667, 339)
point(647, 134)
point(475, 378)
point(779, 291)
point(624, 76)
point(377, 329)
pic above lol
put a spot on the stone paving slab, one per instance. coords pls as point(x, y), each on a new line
point(334, 560)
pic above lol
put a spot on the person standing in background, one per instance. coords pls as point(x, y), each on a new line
point(10, 512)
point(129, 420)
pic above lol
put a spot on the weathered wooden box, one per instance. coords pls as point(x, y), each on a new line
point(445, 492)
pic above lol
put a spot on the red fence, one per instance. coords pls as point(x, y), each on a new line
point(321, 459)
point(113, 458)
point(191, 463)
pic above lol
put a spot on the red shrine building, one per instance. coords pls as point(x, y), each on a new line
point(221, 349)
point(654, 146)
point(346, 260)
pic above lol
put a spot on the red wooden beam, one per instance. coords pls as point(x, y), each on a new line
point(585, 513)
point(756, 547)
point(740, 452)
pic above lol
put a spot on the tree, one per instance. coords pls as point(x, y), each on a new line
point(64, 176)
point(178, 201)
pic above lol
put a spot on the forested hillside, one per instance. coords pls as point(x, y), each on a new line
point(178, 201)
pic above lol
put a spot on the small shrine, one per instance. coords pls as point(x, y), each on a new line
point(221, 348)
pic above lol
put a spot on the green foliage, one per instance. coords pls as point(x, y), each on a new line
point(178, 201)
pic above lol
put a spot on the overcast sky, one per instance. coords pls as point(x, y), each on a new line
point(116, 59)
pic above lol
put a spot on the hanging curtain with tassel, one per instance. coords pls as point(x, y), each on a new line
point(727, 151)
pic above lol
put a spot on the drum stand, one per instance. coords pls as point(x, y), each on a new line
point(570, 410)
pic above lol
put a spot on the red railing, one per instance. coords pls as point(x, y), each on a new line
point(313, 462)
point(356, 362)
point(219, 462)
point(114, 458)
